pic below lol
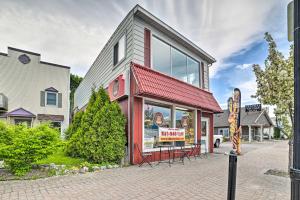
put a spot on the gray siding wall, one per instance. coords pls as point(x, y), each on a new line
point(102, 71)
point(138, 49)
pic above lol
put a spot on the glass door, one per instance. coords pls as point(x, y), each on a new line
point(204, 134)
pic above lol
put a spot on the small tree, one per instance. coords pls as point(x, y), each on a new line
point(275, 84)
point(74, 126)
point(74, 83)
point(101, 134)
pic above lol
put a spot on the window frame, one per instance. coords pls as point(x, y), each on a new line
point(173, 107)
point(56, 102)
point(119, 61)
point(186, 60)
point(24, 119)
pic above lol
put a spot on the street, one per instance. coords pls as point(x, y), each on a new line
point(198, 179)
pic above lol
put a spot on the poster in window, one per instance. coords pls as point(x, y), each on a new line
point(158, 118)
point(171, 134)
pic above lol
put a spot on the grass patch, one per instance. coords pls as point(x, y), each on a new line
point(59, 158)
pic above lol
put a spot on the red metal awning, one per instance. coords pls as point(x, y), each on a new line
point(151, 83)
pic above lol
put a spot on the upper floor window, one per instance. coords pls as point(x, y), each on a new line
point(161, 56)
point(119, 50)
point(51, 98)
point(170, 61)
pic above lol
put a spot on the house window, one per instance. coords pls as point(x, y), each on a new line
point(56, 125)
point(170, 61)
point(27, 122)
point(193, 72)
point(161, 56)
point(51, 98)
point(119, 50)
point(179, 65)
point(202, 75)
point(185, 119)
point(155, 116)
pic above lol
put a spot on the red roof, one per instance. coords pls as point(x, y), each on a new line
point(155, 84)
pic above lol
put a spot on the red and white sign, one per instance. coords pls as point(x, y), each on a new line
point(171, 134)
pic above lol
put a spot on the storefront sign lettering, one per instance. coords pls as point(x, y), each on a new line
point(252, 108)
point(171, 134)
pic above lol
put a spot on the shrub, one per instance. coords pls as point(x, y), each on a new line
point(101, 134)
point(26, 146)
point(74, 126)
point(276, 133)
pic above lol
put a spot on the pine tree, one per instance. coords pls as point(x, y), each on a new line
point(101, 134)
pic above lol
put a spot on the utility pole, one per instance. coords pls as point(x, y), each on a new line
point(295, 170)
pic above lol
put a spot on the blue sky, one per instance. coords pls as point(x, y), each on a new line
point(73, 33)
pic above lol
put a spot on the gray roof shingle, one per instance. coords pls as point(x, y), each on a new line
point(247, 118)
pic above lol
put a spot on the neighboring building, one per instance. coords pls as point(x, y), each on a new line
point(256, 125)
point(159, 78)
point(33, 91)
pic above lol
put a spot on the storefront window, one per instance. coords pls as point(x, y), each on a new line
point(185, 119)
point(155, 116)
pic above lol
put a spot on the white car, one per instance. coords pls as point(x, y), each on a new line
point(218, 139)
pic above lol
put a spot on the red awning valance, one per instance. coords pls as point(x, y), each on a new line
point(151, 83)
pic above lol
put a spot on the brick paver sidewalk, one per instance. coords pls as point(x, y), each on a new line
point(200, 179)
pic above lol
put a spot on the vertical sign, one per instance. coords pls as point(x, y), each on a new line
point(234, 119)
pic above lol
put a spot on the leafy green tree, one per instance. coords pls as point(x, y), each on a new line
point(275, 84)
point(101, 134)
point(74, 83)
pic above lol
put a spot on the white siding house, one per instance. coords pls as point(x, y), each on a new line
point(32, 90)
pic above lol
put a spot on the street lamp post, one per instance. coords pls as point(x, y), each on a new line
point(295, 170)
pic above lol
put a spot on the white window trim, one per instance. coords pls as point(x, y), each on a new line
point(46, 94)
point(173, 114)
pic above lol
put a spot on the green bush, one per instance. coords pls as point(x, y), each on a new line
point(26, 146)
point(100, 137)
point(276, 133)
point(74, 126)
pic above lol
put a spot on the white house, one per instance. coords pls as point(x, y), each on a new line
point(33, 91)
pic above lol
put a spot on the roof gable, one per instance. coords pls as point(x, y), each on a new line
point(20, 112)
point(172, 33)
point(51, 89)
point(247, 118)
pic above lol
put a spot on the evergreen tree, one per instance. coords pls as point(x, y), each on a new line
point(101, 134)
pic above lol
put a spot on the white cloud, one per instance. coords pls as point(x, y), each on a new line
point(244, 66)
point(73, 32)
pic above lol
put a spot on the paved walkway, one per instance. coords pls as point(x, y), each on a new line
point(200, 179)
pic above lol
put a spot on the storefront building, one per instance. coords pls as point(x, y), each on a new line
point(161, 81)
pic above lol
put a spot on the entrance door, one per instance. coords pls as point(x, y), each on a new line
point(205, 134)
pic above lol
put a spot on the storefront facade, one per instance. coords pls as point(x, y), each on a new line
point(161, 81)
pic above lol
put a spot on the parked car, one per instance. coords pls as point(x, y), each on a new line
point(218, 139)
